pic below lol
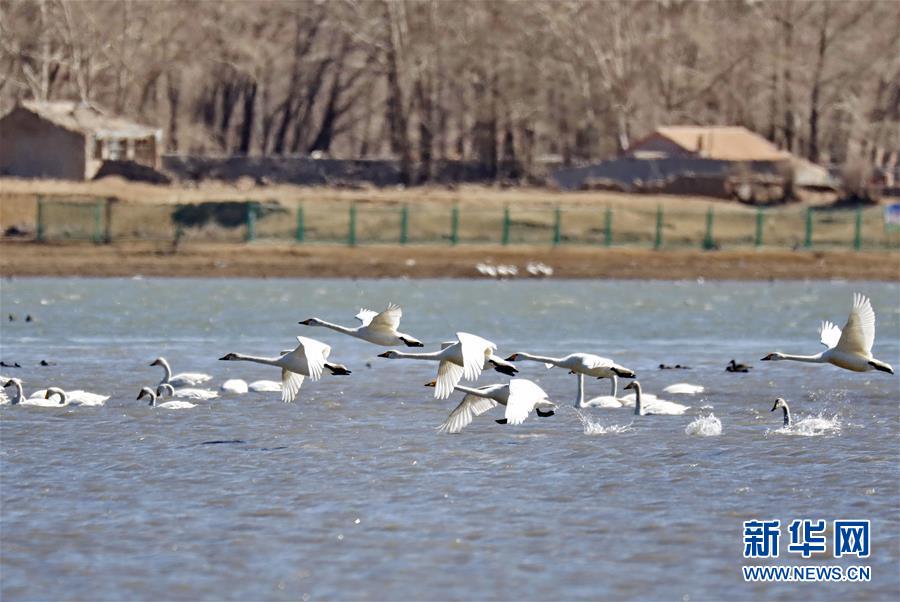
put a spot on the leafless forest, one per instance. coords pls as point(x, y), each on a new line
point(503, 84)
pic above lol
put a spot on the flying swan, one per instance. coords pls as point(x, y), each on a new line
point(169, 405)
point(464, 358)
point(492, 361)
point(379, 328)
point(851, 348)
point(307, 359)
point(520, 397)
point(185, 379)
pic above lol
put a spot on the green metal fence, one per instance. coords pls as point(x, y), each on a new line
point(709, 227)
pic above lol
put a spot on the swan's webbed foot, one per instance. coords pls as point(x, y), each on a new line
point(544, 414)
point(881, 366)
point(412, 342)
point(338, 369)
point(500, 421)
point(507, 370)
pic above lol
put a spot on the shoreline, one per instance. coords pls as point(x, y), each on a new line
point(255, 260)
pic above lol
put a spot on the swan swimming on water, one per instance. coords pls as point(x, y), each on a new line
point(851, 348)
point(36, 399)
point(180, 380)
point(76, 397)
point(169, 405)
point(684, 389)
point(168, 389)
point(265, 386)
point(656, 406)
point(781, 403)
point(237, 386)
point(520, 396)
point(603, 401)
point(379, 328)
point(463, 359)
point(309, 358)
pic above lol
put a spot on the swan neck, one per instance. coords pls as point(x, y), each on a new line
point(471, 391)
point(430, 355)
point(337, 327)
point(787, 416)
point(813, 359)
point(579, 401)
point(615, 385)
point(269, 361)
point(637, 400)
point(540, 358)
point(20, 394)
point(168, 370)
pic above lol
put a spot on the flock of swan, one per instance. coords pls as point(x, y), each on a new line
point(465, 358)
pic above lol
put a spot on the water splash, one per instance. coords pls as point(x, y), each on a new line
point(812, 426)
point(704, 426)
point(595, 428)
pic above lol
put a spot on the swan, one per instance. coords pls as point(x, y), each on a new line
point(265, 386)
point(520, 396)
point(37, 398)
point(180, 380)
point(464, 358)
point(735, 367)
point(603, 401)
point(655, 406)
point(492, 361)
point(684, 389)
point(851, 348)
point(307, 359)
point(579, 363)
point(169, 405)
point(76, 398)
point(379, 328)
point(234, 385)
point(168, 389)
point(781, 403)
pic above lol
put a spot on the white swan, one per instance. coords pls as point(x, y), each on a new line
point(168, 389)
point(684, 389)
point(464, 358)
point(520, 396)
point(76, 397)
point(36, 399)
point(180, 380)
point(781, 403)
point(265, 386)
point(492, 361)
point(655, 406)
point(234, 385)
point(379, 328)
point(611, 401)
point(580, 363)
point(851, 348)
point(307, 359)
point(169, 405)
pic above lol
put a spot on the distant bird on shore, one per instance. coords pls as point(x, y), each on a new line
point(309, 358)
point(735, 367)
point(180, 380)
point(378, 328)
point(850, 349)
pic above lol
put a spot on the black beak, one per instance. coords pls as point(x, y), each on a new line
point(385, 354)
point(765, 359)
point(774, 406)
point(305, 322)
point(512, 358)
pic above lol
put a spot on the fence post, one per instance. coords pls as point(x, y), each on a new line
point(454, 225)
point(300, 234)
point(351, 233)
point(809, 228)
point(557, 227)
point(98, 222)
point(857, 233)
point(505, 238)
point(607, 228)
point(659, 224)
point(708, 241)
point(760, 217)
point(404, 224)
point(39, 231)
point(251, 221)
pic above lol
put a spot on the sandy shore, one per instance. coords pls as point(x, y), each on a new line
point(277, 261)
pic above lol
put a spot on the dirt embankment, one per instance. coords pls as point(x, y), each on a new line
point(262, 260)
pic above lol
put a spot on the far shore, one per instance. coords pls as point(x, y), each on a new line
point(23, 259)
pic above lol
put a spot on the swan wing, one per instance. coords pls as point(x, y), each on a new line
point(523, 396)
point(389, 319)
point(463, 414)
point(313, 354)
point(449, 375)
point(475, 350)
point(189, 378)
point(290, 384)
point(365, 316)
point(829, 334)
point(859, 331)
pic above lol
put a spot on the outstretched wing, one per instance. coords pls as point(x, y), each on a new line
point(475, 350)
point(365, 316)
point(389, 318)
point(313, 353)
point(448, 376)
point(523, 395)
point(463, 414)
point(290, 385)
point(859, 331)
point(829, 334)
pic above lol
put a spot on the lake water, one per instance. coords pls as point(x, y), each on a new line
point(349, 493)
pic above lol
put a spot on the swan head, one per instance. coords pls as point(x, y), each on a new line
point(311, 322)
point(772, 357)
point(779, 403)
point(159, 361)
point(11, 382)
point(633, 385)
point(431, 384)
point(145, 392)
point(389, 354)
point(228, 357)
point(56, 391)
point(514, 357)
